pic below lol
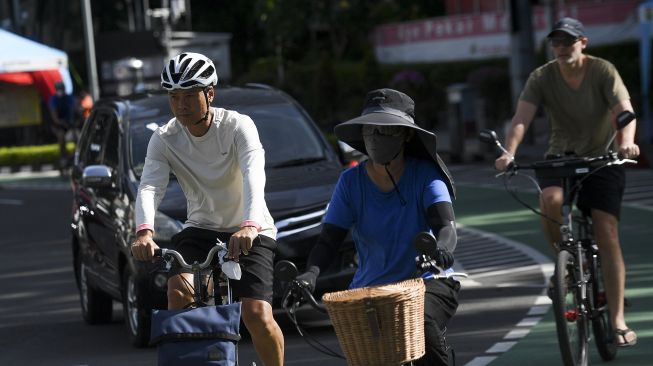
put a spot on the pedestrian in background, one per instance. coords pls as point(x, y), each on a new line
point(84, 106)
point(62, 114)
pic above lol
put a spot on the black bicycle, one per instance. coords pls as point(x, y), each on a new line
point(298, 293)
point(577, 291)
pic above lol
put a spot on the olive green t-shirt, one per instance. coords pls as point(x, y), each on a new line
point(580, 119)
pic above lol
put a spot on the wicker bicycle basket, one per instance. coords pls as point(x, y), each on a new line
point(379, 325)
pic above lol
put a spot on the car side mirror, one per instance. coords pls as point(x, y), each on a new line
point(97, 176)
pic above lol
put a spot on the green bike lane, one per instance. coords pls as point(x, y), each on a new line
point(494, 210)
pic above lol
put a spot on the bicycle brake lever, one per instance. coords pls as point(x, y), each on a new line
point(622, 162)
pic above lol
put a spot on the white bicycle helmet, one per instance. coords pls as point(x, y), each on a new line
point(189, 70)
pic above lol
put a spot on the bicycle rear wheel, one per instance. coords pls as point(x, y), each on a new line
point(571, 323)
point(601, 325)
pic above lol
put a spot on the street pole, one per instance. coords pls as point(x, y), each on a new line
point(89, 41)
point(522, 50)
point(550, 18)
point(645, 14)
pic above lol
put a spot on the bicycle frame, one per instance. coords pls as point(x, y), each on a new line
point(573, 245)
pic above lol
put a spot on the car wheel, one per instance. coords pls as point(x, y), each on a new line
point(97, 307)
point(136, 311)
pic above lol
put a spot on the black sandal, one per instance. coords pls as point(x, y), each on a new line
point(622, 333)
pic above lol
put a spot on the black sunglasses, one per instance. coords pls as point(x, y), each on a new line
point(563, 41)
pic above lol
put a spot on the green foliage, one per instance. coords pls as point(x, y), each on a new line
point(334, 91)
point(32, 155)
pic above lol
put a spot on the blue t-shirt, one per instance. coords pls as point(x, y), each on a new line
point(382, 228)
point(64, 107)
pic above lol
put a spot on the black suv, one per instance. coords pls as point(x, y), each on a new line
point(301, 168)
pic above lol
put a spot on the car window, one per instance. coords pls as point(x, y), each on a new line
point(100, 142)
point(140, 131)
point(285, 132)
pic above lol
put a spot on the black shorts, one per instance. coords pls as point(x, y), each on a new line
point(440, 305)
point(603, 190)
point(257, 267)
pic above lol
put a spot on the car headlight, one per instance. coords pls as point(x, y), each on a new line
point(165, 227)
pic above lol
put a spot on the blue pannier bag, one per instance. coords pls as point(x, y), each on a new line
point(201, 336)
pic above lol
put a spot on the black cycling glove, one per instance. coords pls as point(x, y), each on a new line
point(443, 258)
point(309, 278)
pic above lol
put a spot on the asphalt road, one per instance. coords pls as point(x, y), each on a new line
point(41, 323)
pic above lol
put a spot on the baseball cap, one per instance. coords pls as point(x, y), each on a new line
point(571, 26)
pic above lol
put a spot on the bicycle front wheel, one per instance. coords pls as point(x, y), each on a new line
point(601, 325)
point(571, 322)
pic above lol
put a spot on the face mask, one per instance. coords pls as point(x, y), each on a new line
point(382, 149)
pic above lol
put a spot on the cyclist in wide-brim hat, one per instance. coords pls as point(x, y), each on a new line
point(402, 190)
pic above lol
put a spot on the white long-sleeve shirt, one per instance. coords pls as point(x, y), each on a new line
point(221, 173)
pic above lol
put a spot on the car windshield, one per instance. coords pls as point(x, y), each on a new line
point(287, 136)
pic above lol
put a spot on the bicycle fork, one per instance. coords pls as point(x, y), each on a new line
point(579, 285)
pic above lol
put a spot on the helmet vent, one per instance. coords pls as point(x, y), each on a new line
point(208, 72)
point(196, 67)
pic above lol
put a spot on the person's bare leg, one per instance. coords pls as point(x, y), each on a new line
point(180, 292)
point(550, 203)
point(266, 334)
point(612, 266)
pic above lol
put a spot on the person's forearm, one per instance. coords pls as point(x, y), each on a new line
point(151, 190)
point(252, 165)
point(442, 222)
point(515, 136)
point(627, 134)
point(520, 121)
point(327, 245)
point(447, 237)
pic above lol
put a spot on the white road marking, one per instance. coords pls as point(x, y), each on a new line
point(500, 347)
point(481, 361)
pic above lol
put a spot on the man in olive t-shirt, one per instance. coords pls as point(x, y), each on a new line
point(582, 95)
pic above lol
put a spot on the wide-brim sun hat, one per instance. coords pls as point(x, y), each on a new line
point(389, 107)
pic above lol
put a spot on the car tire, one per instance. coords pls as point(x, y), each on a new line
point(97, 307)
point(136, 310)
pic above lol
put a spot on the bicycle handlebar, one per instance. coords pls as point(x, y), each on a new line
point(305, 294)
point(169, 253)
point(566, 167)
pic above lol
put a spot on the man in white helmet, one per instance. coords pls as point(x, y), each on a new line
point(219, 161)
